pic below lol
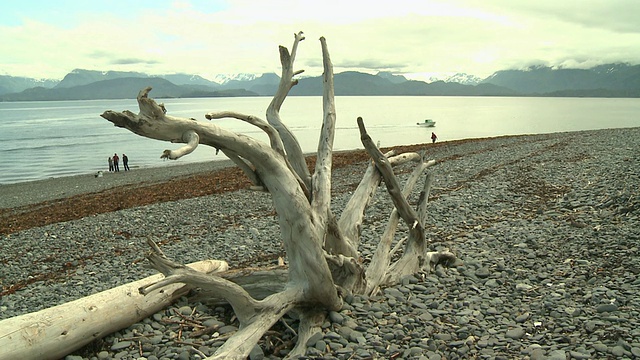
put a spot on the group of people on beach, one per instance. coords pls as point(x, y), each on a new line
point(115, 160)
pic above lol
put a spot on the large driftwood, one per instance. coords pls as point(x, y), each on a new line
point(322, 250)
point(55, 332)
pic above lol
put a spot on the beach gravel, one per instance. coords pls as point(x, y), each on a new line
point(547, 228)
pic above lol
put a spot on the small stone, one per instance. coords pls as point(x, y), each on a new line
point(515, 333)
point(227, 329)
point(335, 317)
point(537, 354)
point(606, 308)
point(483, 273)
point(557, 355)
point(394, 293)
point(600, 347)
point(579, 355)
point(617, 350)
point(121, 354)
point(491, 283)
point(523, 287)
point(332, 335)
point(522, 318)
point(120, 345)
point(256, 353)
point(445, 337)
point(590, 326)
point(213, 323)
point(315, 338)
point(492, 311)
point(185, 310)
point(320, 345)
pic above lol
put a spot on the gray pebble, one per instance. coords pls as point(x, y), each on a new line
point(557, 355)
point(335, 317)
point(515, 333)
point(606, 308)
point(121, 345)
point(256, 353)
point(482, 273)
point(617, 350)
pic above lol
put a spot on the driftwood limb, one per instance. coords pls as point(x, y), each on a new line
point(310, 324)
point(287, 81)
point(378, 273)
point(192, 140)
point(274, 136)
point(55, 332)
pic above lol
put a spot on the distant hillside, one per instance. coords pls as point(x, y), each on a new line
point(396, 79)
point(265, 85)
point(188, 79)
point(120, 88)
point(79, 77)
point(219, 93)
point(359, 84)
point(600, 80)
point(441, 88)
point(612, 80)
point(12, 84)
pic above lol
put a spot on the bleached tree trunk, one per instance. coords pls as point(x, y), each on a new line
point(322, 251)
point(55, 332)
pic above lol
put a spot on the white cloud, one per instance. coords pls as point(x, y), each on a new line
point(403, 36)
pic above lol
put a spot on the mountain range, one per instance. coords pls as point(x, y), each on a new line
point(611, 80)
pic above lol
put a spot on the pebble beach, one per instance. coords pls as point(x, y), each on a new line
point(546, 228)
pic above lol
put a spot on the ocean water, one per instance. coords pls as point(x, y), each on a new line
point(39, 140)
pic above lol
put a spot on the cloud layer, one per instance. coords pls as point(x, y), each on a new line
point(49, 39)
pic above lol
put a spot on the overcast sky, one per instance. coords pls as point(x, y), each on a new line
point(416, 38)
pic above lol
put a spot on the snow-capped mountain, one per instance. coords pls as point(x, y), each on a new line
point(460, 78)
point(10, 84)
point(225, 78)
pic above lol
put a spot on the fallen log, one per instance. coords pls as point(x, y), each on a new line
point(57, 331)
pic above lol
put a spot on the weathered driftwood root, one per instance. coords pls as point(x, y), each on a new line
point(55, 332)
point(322, 251)
point(255, 316)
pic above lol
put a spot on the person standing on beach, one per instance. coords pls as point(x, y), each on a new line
point(433, 137)
point(115, 162)
point(125, 162)
point(110, 164)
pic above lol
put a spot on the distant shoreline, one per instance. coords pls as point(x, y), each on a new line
point(38, 191)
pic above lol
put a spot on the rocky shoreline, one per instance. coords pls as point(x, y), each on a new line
point(547, 227)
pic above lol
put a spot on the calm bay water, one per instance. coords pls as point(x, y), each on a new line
point(62, 138)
